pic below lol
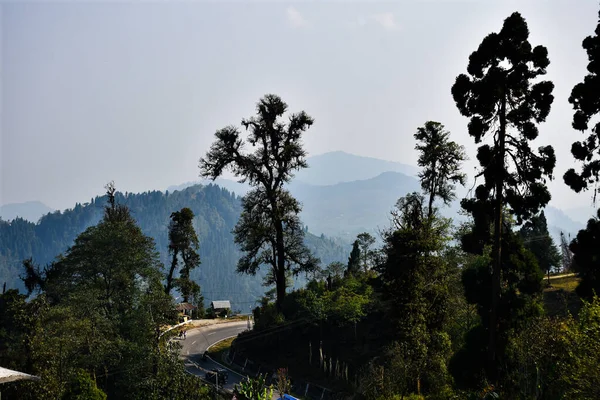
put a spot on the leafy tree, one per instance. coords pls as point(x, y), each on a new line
point(183, 243)
point(520, 302)
point(585, 258)
point(354, 259)
point(416, 288)
point(441, 161)
point(537, 239)
point(269, 230)
point(582, 341)
point(102, 306)
point(336, 269)
point(501, 92)
point(365, 241)
point(585, 98)
point(83, 387)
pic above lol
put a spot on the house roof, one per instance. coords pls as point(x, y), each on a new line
point(8, 375)
point(185, 306)
point(220, 304)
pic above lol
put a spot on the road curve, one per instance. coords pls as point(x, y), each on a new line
point(199, 339)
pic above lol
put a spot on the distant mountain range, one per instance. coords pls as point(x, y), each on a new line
point(344, 207)
point(344, 194)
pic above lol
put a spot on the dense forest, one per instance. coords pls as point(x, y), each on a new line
point(216, 213)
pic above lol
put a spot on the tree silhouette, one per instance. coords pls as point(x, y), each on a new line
point(269, 230)
point(502, 101)
point(585, 98)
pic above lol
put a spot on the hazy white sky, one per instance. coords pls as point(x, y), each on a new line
point(134, 91)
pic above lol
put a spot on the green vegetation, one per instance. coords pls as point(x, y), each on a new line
point(215, 212)
point(93, 330)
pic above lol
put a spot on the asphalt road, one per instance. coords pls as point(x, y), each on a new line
point(199, 339)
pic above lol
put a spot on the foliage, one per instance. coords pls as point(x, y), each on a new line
point(581, 375)
point(100, 309)
point(503, 100)
point(520, 301)
point(416, 289)
point(269, 230)
point(440, 160)
point(354, 259)
point(585, 98)
point(216, 211)
point(254, 389)
point(183, 243)
point(365, 241)
point(538, 241)
point(585, 248)
point(83, 387)
point(284, 385)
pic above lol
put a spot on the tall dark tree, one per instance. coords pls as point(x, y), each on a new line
point(354, 259)
point(504, 101)
point(269, 230)
point(585, 98)
point(365, 241)
point(538, 241)
point(183, 245)
point(441, 161)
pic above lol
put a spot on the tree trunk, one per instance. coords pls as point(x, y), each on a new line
point(169, 284)
point(280, 270)
point(496, 272)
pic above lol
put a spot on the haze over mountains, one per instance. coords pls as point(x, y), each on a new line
point(345, 194)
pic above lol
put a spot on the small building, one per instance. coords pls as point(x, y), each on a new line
point(185, 311)
point(220, 305)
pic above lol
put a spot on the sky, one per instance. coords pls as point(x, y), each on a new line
point(134, 91)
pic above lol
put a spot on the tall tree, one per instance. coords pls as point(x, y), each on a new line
point(354, 259)
point(585, 98)
point(365, 241)
point(503, 100)
point(441, 161)
point(416, 289)
point(269, 230)
point(183, 244)
point(537, 239)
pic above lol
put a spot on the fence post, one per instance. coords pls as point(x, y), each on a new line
point(306, 390)
point(322, 393)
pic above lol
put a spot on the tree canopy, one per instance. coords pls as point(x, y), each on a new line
point(269, 230)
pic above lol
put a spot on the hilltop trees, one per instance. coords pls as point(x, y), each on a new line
point(183, 243)
point(98, 316)
point(504, 101)
point(269, 230)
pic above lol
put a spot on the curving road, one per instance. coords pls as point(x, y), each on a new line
point(199, 339)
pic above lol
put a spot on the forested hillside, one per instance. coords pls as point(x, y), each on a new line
point(216, 213)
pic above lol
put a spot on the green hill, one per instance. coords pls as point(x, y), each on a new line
point(216, 209)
